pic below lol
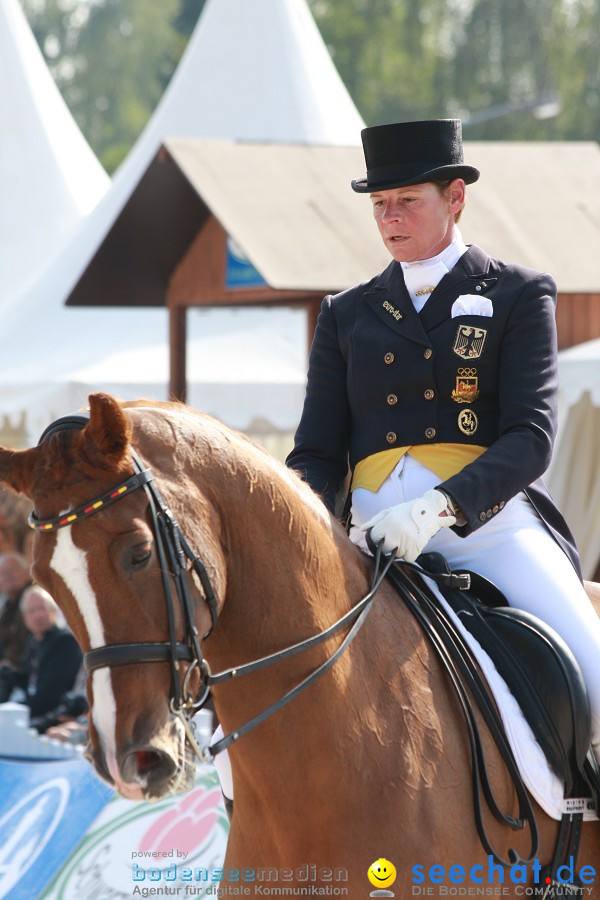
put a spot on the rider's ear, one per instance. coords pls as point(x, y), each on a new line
point(107, 434)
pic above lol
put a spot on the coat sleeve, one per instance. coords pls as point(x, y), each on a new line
point(527, 396)
point(57, 674)
point(320, 451)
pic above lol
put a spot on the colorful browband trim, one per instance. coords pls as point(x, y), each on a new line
point(92, 506)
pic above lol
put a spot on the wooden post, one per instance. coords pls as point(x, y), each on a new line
point(177, 353)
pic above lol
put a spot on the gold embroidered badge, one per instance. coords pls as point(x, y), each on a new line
point(466, 386)
point(392, 310)
point(468, 421)
point(469, 341)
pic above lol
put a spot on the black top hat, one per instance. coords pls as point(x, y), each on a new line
point(412, 153)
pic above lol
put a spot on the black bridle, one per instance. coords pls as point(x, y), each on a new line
point(174, 552)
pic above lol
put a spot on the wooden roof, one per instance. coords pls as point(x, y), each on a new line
point(292, 211)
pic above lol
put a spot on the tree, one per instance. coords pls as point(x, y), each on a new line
point(112, 60)
point(400, 59)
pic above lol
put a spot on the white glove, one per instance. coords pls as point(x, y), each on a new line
point(408, 527)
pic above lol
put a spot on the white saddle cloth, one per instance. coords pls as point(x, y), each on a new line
point(539, 779)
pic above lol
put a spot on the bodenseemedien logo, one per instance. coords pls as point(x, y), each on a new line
point(381, 874)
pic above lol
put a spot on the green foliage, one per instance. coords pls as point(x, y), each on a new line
point(112, 60)
point(491, 62)
point(509, 65)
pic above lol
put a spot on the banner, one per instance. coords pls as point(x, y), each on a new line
point(45, 809)
point(65, 835)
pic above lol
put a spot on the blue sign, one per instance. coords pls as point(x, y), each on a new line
point(45, 809)
point(239, 272)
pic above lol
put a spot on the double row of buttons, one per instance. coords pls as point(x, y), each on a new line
point(484, 516)
point(392, 399)
point(389, 357)
point(391, 437)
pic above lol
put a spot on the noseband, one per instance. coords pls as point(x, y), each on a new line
point(173, 553)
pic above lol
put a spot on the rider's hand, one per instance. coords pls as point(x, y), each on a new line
point(408, 527)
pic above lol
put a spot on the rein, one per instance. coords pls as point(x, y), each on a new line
point(174, 553)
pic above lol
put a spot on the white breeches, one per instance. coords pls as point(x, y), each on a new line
point(515, 551)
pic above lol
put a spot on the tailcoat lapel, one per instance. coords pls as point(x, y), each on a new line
point(470, 275)
point(390, 301)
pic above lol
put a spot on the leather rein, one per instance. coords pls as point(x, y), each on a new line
point(174, 553)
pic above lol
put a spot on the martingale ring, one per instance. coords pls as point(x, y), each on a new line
point(88, 509)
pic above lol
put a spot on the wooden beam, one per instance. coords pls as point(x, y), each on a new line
point(177, 353)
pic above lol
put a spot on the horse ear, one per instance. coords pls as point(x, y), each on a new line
point(16, 469)
point(107, 434)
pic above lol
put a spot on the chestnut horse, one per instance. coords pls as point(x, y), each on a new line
point(371, 761)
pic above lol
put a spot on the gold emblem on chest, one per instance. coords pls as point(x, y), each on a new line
point(466, 390)
point(468, 421)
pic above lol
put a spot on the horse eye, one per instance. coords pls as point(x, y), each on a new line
point(137, 557)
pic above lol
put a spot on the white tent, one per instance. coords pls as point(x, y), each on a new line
point(574, 475)
point(50, 176)
point(255, 70)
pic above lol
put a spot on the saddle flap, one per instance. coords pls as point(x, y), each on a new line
point(542, 674)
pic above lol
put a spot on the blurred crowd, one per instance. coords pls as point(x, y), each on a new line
point(40, 660)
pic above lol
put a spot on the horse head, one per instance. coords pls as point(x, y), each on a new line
point(106, 574)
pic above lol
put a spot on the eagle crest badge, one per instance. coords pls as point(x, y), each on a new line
point(469, 341)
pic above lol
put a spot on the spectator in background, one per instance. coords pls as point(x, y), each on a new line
point(14, 530)
point(14, 578)
point(51, 662)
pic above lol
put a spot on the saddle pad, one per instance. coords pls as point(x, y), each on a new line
point(540, 780)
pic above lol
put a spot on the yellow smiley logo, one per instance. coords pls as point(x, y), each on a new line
point(382, 873)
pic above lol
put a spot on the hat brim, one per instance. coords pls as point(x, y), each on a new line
point(469, 175)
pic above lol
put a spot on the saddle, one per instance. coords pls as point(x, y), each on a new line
point(543, 676)
point(538, 668)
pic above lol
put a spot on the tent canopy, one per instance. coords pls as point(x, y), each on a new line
point(50, 176)
point(574, 475)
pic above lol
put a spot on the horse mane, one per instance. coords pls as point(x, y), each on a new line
point(227, 455)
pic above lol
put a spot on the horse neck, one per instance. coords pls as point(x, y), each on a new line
point(290, 568)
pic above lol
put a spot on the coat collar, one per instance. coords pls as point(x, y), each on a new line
point(388, 298)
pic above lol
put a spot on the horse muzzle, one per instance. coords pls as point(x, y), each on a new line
point(148, 770)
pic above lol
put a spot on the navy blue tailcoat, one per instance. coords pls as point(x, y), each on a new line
point(382, 375)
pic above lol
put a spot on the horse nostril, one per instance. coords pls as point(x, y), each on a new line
point(145, 762)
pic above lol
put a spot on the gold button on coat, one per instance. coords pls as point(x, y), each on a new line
point(428, 353)
point(391, 437)
point(392, 399)
point(429, 394)
point(389, 358)
point(430, 433)
point(482, 517)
